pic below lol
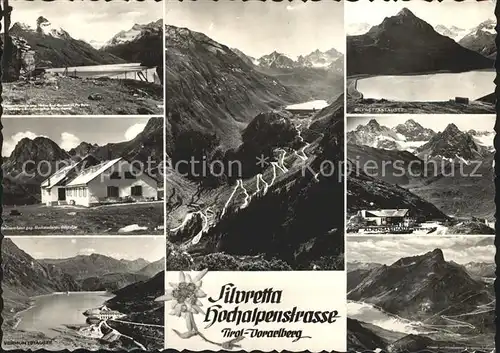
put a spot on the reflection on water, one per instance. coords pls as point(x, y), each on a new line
point(428, 88)
point(132, 71)
point(367, 313)
point(57, 310)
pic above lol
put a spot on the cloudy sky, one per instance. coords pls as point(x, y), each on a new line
point(92, 21)
point(437, 123)
point(258, 28)
point(129, 248)
point(387, 250)
point(467, 14)
point(68, 132)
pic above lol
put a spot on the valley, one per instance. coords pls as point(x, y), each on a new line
point(414, 69)
point(49, 72)
point(48, 308)
point(414, 316)
point(267, 124)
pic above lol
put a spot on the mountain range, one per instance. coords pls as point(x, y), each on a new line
point(437, 168)
point(21, 188)
point(143, 43)
point(481, 39)
point(27, 276)
point(216, 90)
point(385, 49)
point(424, 288)
point(54, 47)
point(411, 136)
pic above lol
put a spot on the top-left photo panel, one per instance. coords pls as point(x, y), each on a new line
point(83, 58)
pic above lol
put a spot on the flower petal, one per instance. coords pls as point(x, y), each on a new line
point(188, 278)
point(199, 303)
point(182, 277)
point(177, 310)
point(173, 285)
point(200, 294)
point(200, 275)
point(164, 298)
point(174, 304)
point(198, 309)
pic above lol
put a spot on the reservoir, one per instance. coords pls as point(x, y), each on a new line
point(428, 88)
point(54, 311)
point(316, 105)
point(365, 312)
point(133, 71)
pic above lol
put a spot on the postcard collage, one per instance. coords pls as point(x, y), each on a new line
point(248, 175)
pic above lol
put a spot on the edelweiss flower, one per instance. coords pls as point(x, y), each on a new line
point(185, 294)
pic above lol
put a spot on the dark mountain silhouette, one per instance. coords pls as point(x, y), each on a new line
point(360, 338)
point(452, 143)
point(56, 48)
point(141, 44)
point(413, 131)
point(85, 266)
point(137, 302)
point(151, 269)
point(22, 179)
point(25, 276)
point(367, 192)
point(405, 44)
point(420, 286)
point(481, 39)
point(111, 281)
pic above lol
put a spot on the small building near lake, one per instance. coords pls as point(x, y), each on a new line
point(91, 182)
point(307, 108)
point(388, 217)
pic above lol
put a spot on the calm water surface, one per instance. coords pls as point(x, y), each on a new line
point(428, 88)
point(57, 310)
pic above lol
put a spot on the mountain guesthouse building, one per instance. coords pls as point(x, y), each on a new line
point(91, 182)
point(388, 217)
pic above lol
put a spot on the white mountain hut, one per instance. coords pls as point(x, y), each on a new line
point(111, 181)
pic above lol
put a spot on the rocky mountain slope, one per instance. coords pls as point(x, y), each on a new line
point(481, 39)
point(137, 302)
point(25, 276)
point(210, 89)
point(420, 286)
point(405, 44)
point(452, 143)
point(454, 32)
point(143, 43)
point(405, 136)
point(481, 269)
point(95, 265)
point(56, 48)
point(24, 187)
point(280, 228)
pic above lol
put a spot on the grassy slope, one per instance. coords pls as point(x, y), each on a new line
point(119, 97)
point(97, 220)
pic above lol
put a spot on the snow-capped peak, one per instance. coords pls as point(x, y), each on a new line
point(44, 26)
point(137, 31)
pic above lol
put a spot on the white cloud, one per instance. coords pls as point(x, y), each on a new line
point(134, 130)
point(86, 251)
point(390, 249)
point(68, 141)
point(10, 144)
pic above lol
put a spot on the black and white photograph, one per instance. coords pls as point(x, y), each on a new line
point(88, 293)
point(421, 57)
point(83, 175)
point(410, 294)
point(418, 174)
point(255, 135)
point(83, 58)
